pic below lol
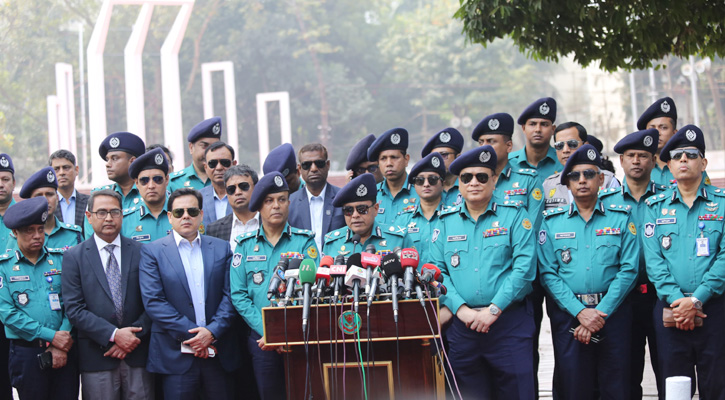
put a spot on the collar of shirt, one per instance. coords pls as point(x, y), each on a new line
point(238, 222)
point(321, 195)
point(287, 230)
point(178, 239)
point(573, 208)
point(701, 192)
point(101, 244)
point(385, 190)
point(63, 200)
point(492, 207)
point(651, 189)
point(19, 254)
point(57, 226)
point(216, 197)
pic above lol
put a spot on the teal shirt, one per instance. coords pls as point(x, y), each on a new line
point(25, 308)
point(522, 185)
point(140, 225)
point(547, 167)
point(419, 230)
point(670, 239)
point(389, 206)
point(187, 177)
point(63, 236)
point(452, 197)
point(384, 237)
point(5, 232)
point(485, 261)
point(584, 257)
point(664, 177)
point(254, 261)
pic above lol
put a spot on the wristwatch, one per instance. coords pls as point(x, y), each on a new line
point(494, 310)
point(696, 302)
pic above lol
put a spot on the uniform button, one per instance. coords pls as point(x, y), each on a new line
point(475, 248)
point(587, 246)
point(475, 270)
point(477, 291)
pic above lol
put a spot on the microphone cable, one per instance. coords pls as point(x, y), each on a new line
point(333, 351)
point(397, 350)
point(286, 354)
point(319, 351)
point(443, 347)
point(358, 354)
point(438, 348)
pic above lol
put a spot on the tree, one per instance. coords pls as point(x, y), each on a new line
point(626, 34)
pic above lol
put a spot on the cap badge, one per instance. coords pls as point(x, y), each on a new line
point(647, 141)
point(445, 137)
point(484, 156)
point(361, 191)
point(4, 162)
point(278, 181)
point(493, 124)
point(114, 142)
point(50, 177)
point(159, 159)
point(665, 107)
point(691, 135)
point(216, 129)
point(395, 138)
point(591, 154)
point(544, 109)
point(44, 217)
point(435, 162)
point(285, 172)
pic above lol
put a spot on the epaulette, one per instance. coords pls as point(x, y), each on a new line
point(177, 174)
point(654, 199)
point(555, 211)
point(556, 177)
point(450, 210)
point(305, 232)
point(71, 227)
point(101, 188)
point(527, 171)
point(336, 234)
point(244, 236)
point(607, 192)
point(662, 187)
point(55, 251)
point(4, 256)
point(719, 192)
point(394, 230)
point(129, 211)
point(511, 203)
point(620, 207)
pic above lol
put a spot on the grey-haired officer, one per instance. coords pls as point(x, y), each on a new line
point(588, 258)
point(149, 221)
point(282, 159)
point(200, 137)
point(394, 192)
point(537, 123)
point(7, 186)
point(449, 144)
point(684, 240)
point(357, 162)
point(119, 150)
point(31, 308)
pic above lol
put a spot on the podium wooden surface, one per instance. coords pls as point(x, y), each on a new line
point(333, 357)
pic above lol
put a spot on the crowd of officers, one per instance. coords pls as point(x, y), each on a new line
point(619, 265)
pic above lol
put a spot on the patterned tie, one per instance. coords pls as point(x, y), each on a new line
point(113, 274)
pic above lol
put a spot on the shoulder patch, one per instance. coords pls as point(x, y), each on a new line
point(336, 234)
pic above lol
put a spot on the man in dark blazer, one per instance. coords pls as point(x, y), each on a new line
point(219, 158)
point(71, 203)
point(239, 182)
point(102, 298)
point(184, 280)
point(311, 207)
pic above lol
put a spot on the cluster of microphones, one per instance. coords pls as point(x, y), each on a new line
point(380, 275)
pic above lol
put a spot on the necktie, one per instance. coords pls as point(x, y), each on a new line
point(113, 274)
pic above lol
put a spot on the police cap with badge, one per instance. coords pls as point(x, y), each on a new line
point(664, 107)
point(33, 211)
point(394, 139)
point(208, 128)
point(359, 152)
point(483, 156)
point(594, 141)
point(154, 159)
point(586, 154)
point(122, 141)
point(362, 188)
point(433, 162)
point(6, 163)
point(645, 140)
point(43, 178)
point(687, 136)
point(281, 159)
point(449, 137)
point(270, 183)
point(499, 123)
point(544, 108)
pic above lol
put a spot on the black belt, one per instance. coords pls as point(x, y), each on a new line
point(37, 343)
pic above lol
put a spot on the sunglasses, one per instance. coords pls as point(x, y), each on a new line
point(481, 177)
point(589, 174)
point(420, 180)
point(446, 154)
point(371, 168)
point(318, 163)
point(158, 179)
point(362, 209)
point(573, 144)
point(243, 186)
point(691, 154)
point(226, 163)
point(179, 212)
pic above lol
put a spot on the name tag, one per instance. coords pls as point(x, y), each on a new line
point(21, 278)
point(381, 210)
point(703, 247)
point(54, 300)
point(457, 238)
point(141, 238)
point(666, 221)
point(413, 230)
point(257, 258)
point(565, 235)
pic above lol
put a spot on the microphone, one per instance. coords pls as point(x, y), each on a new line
point(375, 277)
point(354, 277)
point(323, 274)
point(307, 273)
point(291, 275)
point(369, 261)
point(355, 239)
point(337, 272)
point(392, 270)
point(429, 273)
point(409, 260)
point(277, 277)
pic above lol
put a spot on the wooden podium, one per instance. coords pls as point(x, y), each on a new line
point(334, 359)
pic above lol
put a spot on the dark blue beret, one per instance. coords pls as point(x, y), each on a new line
point(688, 135)
point(594, 141)
point(6, 163)
point(499, 123)
point(483, 156)
point(433, 162)
point(394, 139)
point(544, 108)
point(359, 152)
point(122, 141)
point(154, 159)
point(43, 178)
point(449, 137)
point(586, 154)
point(33, 211)
point(361, 188)
point(281, 159)
point(270, 183)
point(208, 128)
point(641, 140)
point(664, 107)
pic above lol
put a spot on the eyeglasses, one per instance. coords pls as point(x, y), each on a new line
point(446, 154)
point(243, 186)
point(481, 177)
point(318, 163)
point(573, 144)
point(371, 168)
point(420, 180)
point(589, 174)
point(691, 154)
point(179, 212)
point(102, 214)
point(361, 209)
point(226, 163)
point(158, 179)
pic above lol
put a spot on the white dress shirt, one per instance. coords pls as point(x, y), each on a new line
point(239, 227)
point(68, 207)
point(190, 253)
point(317, 205)
point(101, 244)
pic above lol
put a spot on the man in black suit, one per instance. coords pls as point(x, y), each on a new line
point(103, 301)
point(239, 181)
point(71, 203)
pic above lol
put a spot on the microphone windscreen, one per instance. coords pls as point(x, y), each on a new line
point(323, 273)
point(294, 263)
point(326, 261)
point(370, 248)
point(409, 258)
point(391, 265)
point(308, 271)
point(356, 238)
point(369, 260)
point(354, 260)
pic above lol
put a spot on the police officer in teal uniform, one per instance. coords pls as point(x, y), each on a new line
point(637, 157)
point(58, 235)
point(537, 123)
point(357, 162)
point(119, 150)
point(7, 186)
point(282, 159)
point(31, 308)
point(661, 115)
point(449, 144)
point(253, 262)
point(394, 192)
point(684, 240)
point(420, 219)
point(358, 202)
point(200, 138)
point(485, 250)
point(149, 220)
point(588, 258)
